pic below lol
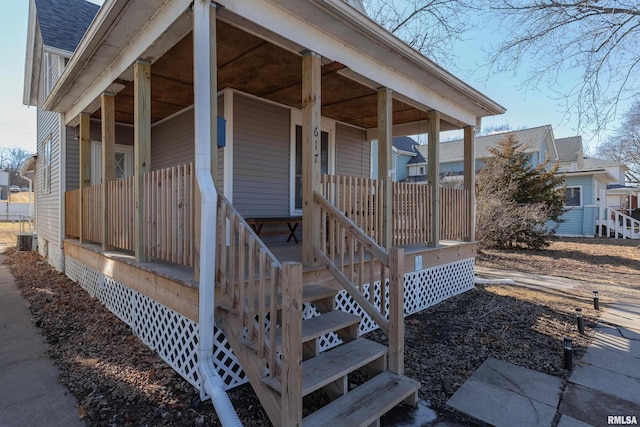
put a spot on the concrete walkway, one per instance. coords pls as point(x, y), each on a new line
point(30, 394)
point(604, 388)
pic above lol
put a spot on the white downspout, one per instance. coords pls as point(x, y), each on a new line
point(212, 383)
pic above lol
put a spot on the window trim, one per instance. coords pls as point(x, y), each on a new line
point(327, 125)
point(579, 187)
point(46, 169)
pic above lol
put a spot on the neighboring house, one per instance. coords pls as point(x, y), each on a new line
point(408, 163)
point(595, 189)
point(157, 208)
point(538, 143)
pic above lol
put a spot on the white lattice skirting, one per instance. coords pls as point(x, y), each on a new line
point(175, 337)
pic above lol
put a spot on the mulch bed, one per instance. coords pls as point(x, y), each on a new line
point(119, 381)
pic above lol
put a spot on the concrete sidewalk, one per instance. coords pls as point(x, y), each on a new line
point(30, 394)
point(603, 389)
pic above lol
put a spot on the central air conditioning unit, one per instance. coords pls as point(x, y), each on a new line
point(25, 242)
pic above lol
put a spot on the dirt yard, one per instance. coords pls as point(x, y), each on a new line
point(119, 381)
point(611, 266)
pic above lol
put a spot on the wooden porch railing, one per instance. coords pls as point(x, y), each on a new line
point(355, 259)
point(255, 284)
point(121, 213)
point(168, 208)
point(358, 198)
point(92, 205)
point(169, 214)
point(71, 213)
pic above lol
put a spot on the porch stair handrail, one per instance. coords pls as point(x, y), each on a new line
point(618, 222)
point(256, 286)
point(349, 254)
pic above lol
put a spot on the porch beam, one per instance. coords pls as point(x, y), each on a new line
point(141, 148)
point(311, 154)
point(470, 181)
point(385, 162)
point(433, 166)
point(107, 108)
point(85, 167)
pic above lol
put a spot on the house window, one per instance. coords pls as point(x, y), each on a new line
point(421, 170)
point(573, 196)
point(46, 167)
point(324, 163)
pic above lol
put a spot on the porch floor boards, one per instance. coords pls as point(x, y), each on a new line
point(284, 252)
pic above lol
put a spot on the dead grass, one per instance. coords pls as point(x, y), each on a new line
point(608, 265)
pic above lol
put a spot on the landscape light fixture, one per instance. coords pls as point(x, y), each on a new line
point(580, 320)
point(568, 354)
point(596, 301)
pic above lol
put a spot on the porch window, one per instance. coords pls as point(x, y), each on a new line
point(573, 196)
point(324, 163)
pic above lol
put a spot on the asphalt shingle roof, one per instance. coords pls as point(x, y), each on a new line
point(569, 148)
point(404, 143)
point(418, 158)
point(453, 151)
point(63, 23)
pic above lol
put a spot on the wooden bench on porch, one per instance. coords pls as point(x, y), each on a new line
point(292, 223)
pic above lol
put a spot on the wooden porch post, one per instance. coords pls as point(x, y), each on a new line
point(433, 134)
point(292, 344)
point(141, 147)
point(85, 167)
point(311, 154)
point(107, 108)
point(396, 310)
point(385, 162)
point(470, 181)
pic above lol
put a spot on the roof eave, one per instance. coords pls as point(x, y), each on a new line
point(394, 44)
point(32, 58)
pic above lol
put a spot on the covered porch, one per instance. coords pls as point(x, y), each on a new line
point(294, 97)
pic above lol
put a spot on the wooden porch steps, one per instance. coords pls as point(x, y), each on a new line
point(310, 293)
point(318, 326)
point(364, 405)
point(335, 364)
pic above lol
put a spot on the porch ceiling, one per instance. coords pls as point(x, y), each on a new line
point(253, 65)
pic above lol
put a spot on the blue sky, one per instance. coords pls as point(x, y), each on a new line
point(524, 109)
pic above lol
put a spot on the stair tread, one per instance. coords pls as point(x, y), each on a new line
point(334, 364)
point(321, 325)
point(310, 293)
point(366, 403)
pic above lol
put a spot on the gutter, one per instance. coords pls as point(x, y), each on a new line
point(203, 25)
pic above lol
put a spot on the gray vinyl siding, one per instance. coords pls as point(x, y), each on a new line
point(353, 152)
point(47, 199)
point(48, 125)
point(172, 141)
point(261, 158)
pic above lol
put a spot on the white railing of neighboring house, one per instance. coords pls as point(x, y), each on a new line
point(621, 225)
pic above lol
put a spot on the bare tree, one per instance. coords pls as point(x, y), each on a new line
point(11, 160)
point(597, 38)
point(430, 26)
point(624, 145)
point(541, 40)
